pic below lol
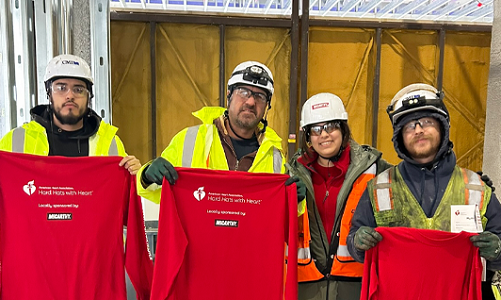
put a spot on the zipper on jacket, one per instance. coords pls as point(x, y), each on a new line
point(235, 154)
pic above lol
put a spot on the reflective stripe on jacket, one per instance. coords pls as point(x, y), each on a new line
point(200, 147)
point(31, 138)
point(395, 205)
point(343, 264)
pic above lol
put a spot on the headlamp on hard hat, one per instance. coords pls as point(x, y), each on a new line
point(414, 102)
point(256, 75)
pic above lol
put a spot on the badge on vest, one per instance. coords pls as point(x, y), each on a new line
point(465, 218)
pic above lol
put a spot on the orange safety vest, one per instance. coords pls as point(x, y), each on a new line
point(342, 262)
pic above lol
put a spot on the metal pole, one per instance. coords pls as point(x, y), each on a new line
point(305, 28)
point(222, 82)
point(441, 47)
point(375, 93)
point(293, 82)
point(153, 68)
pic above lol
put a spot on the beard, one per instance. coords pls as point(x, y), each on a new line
point(70, 119)
point(423, 152)
point(246, 122)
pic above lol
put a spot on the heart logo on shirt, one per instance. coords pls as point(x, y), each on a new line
point(199, 194)
point(30, 188)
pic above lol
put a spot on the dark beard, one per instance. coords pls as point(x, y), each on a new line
point(70, 119)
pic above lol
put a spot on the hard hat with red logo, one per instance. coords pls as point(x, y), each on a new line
point(322, 107)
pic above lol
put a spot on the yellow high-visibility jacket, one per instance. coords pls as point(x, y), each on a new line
point(31, 138)
point(200, 147)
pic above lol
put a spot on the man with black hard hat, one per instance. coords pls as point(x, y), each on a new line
point(420, 190)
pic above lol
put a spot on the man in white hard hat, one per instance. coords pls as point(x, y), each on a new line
point(236, 138)
point(420, 190)
point(68, 126)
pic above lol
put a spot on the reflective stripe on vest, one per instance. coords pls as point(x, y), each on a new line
point(383, 195)
point(307, 270)
point(474, 192)
point(382, 191)
point(277, 161)
point(18, 140)
point(113, 150)
point(351, 204)
point(343, 264)
point(189, 145)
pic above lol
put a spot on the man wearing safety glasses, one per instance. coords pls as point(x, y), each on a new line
point(233, 138)
point(427, 190)
point(68, 126)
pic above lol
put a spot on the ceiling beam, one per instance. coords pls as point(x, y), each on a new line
point(471, 8)
point(411, 7)
point(328, 6)
point(389, 7)
point(365, 9)
point(347, 8)
point(431, 7)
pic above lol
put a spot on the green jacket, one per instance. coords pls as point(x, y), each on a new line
point(406, 211)
point(361, 158)
point(200, 147)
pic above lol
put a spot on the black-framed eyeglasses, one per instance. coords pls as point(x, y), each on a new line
point(423, 122)
point(246, 93)
point(329, 127)
point(63, 89)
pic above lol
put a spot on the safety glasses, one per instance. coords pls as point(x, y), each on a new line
point(423, 122)
point(63, 89)
point(329, 127)
point(245, 94)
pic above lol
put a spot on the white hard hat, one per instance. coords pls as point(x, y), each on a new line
point(416, 97)
point(322, 107)
point(252, 73)
point(67, 65)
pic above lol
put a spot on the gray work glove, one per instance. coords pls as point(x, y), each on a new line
point(159, 169)
point(366, 238)
point(300, 186)
point(488, 245)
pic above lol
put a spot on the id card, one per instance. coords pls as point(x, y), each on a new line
point(465, 218)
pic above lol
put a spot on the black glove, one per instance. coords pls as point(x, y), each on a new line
point(488, 244)
point(486, 179)
point(159, 169)
point(300, 186)
point(366, 238)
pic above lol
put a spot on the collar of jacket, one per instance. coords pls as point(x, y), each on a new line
point(209, 114)
point(92, 122)
point(443, 167)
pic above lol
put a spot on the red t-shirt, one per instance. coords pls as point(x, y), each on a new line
point(61, 229)
point(221, 237)
point(416, 264)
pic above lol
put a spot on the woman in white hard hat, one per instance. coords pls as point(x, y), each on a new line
point(335, 170)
